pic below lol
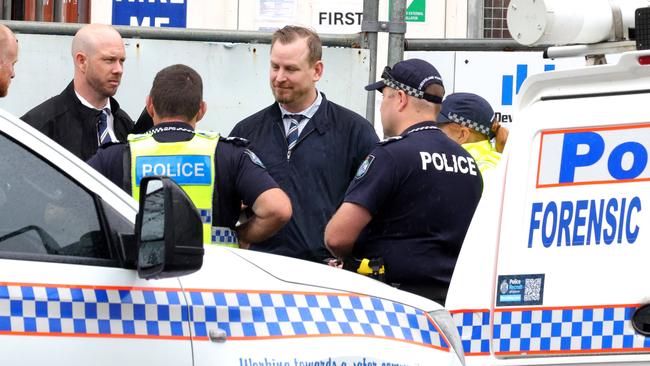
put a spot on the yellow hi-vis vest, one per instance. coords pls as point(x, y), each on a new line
point(485, 155)
point(191, 165)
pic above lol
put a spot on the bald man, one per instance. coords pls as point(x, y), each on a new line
point(8, 58)
point(85, 115)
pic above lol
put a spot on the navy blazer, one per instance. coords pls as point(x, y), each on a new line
point(329, 150)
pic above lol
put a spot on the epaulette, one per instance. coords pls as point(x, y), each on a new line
point(238, 141)
point(390, 139)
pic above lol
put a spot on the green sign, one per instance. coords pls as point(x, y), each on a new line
point(415, 10)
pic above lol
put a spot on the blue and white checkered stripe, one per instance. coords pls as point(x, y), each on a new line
point(223, 235)
point(575, 329)
point(206, 215)
point(244, 315)
point(85, 311)
point(57, 310)
point(474, 329)
point(540, 331)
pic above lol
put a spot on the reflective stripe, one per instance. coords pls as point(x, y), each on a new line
point(484, 154)
point(120, 312)
point(224, 236)
point(552, 331)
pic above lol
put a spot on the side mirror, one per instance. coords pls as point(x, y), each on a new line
point(168, 230)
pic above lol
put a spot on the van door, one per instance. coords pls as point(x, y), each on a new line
point(574, 237)
point(64, 297)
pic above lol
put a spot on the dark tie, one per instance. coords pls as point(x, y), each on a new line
point(102, 128)
point(292, 134)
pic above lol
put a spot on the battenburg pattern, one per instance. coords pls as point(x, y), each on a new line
point(551, 330)
point(57, 310)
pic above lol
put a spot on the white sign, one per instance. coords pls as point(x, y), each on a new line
point(337, 16)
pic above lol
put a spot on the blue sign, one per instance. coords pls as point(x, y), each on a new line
point(183, 169)
point(150, 13)
point(508, 86)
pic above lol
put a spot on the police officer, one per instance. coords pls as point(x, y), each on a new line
point(415, 194)
point(218, 174)
point(467, 119)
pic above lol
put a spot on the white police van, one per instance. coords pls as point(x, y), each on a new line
point(554, 266)
point(74, 290)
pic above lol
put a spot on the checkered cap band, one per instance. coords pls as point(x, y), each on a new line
point(105, 312)
point(466, 122)
point(407, 89)
point(588, 329)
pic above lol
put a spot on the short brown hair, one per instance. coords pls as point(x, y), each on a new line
point(290, 33)
point(177, 91)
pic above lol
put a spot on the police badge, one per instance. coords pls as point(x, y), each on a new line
point(254, 158)
point(363, 168)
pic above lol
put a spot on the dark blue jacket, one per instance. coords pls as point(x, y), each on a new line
point(329, 150)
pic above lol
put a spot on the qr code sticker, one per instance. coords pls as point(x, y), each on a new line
point(532, 289)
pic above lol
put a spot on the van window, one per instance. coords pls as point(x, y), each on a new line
point(42, 211)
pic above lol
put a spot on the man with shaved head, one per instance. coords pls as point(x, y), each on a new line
point(8, 58)
point(85, 115)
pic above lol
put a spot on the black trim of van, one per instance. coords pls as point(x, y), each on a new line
point(64, 259)
point(593, 95)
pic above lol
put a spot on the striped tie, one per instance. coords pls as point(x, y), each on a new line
point(292, 134)
point(102, 128)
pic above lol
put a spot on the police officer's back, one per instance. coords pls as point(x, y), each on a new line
point(414, 196)
point(217, 174)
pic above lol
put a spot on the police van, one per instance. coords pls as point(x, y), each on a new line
point(88, 277)
point(554, 266)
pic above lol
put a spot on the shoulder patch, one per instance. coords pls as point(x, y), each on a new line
point(239, 141)
point(363, 168)
point(254, 158)
point(390, 139)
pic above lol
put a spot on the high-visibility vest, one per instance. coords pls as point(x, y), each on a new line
point(485, 155)
point(191, 165)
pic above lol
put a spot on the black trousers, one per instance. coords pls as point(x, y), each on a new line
point(436, 291)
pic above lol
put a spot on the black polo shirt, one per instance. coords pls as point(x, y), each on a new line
point(239, 175)
point(421, 189)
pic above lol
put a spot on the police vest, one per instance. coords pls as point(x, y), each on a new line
point(191, 165)
point(484, 154)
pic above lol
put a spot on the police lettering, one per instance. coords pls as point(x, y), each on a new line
point(584, 222)
point(174, 170)
point(448, 163)
point(582, 149)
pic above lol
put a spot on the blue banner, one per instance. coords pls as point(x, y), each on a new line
point(183, 169)
point(150, 13)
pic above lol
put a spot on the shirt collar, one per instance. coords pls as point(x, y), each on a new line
point(87, 104)
point(309, 111)
point(170, 126)
point(427, 124)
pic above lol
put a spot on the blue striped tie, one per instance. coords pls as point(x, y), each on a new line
point(102, 128)
point(292, 134)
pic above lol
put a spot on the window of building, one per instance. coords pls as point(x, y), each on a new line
point(495, 25)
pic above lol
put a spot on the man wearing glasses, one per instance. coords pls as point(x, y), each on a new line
point(416, 192)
